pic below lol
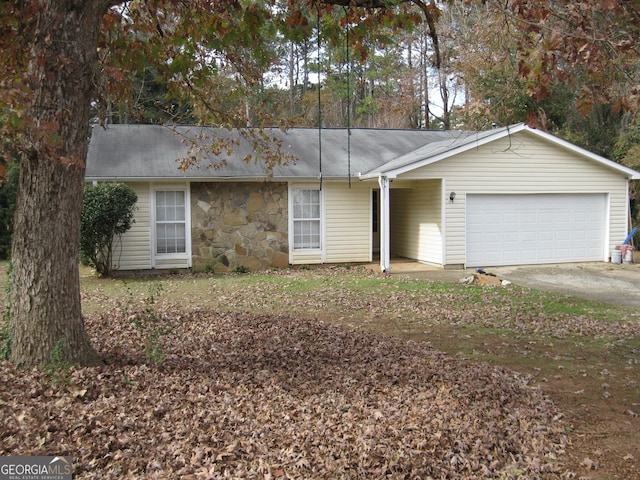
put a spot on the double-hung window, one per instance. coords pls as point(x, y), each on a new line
point(170, 218)
point(306, 219)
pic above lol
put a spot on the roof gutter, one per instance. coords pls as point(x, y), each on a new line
point(374, 176)
point(252, 178)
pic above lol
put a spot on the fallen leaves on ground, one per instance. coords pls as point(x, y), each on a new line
point(337, 290)
point(243, 395)
point(360, 296)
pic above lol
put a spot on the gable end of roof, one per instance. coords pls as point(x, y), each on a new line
point(431, 154)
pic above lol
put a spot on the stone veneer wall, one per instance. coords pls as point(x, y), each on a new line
point(239, 225)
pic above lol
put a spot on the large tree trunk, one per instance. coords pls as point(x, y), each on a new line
point(46, 322)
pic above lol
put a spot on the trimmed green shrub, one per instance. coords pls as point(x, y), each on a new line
point(107, 213)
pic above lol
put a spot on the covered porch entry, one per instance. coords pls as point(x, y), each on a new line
point(408, 221)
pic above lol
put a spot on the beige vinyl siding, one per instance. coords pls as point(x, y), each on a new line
point(300, 257)
point(522, 163)
point(416, 221)
point(133, 251)
point(348, 222)
point(177, 263)
point(346, 225)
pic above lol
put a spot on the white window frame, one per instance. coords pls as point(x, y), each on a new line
point(292, 220)
point(186, 255)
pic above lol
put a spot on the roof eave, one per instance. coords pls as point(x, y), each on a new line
point(248, 178)
point(369, 176)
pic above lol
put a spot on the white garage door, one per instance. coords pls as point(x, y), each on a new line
point(535, 229)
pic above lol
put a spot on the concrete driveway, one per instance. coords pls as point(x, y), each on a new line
point(604, 282)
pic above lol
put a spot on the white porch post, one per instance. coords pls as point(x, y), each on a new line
point(385, 257)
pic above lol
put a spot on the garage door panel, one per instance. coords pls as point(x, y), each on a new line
point(511, 218)
point(499, 257)
point(511, 237)
point(535, 229)
point(546, 236)
point(493, 237)
point(546, 255)
point(546, 217)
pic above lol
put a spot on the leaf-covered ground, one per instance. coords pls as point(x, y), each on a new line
point(350, 383)
point(242, 395)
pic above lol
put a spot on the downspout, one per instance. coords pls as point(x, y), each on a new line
point(385, 257)
point(152, 221)
point(443, 220)
point(628, 201)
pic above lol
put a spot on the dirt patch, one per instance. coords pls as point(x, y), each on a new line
point(598, 395)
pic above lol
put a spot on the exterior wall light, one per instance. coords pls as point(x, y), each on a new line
point(452, 196)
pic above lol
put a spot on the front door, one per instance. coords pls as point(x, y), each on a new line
point(375, 221)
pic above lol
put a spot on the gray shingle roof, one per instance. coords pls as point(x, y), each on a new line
point(141, 152)
point(456, 140)
point(152, 152)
